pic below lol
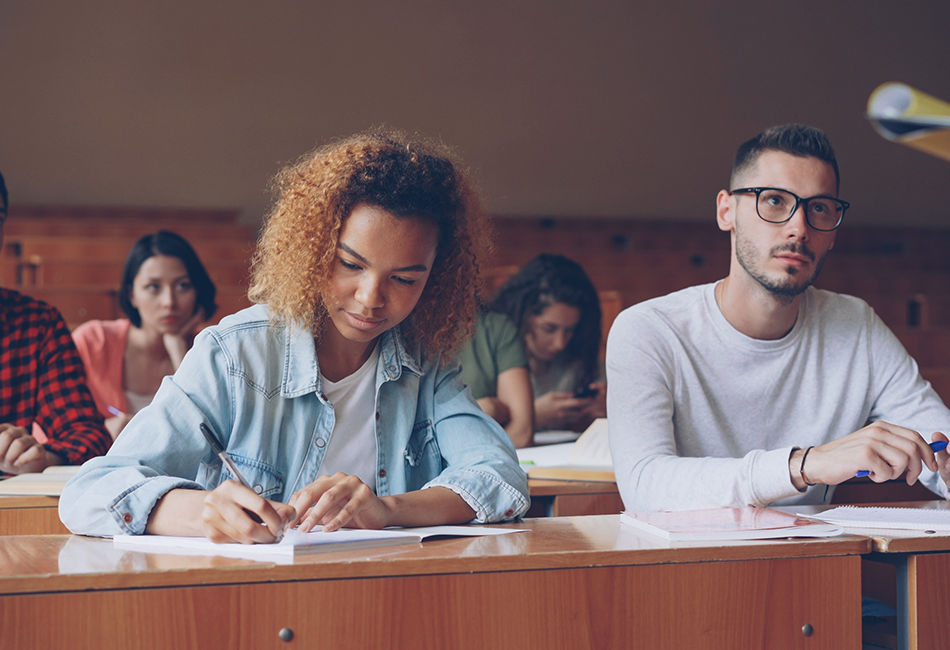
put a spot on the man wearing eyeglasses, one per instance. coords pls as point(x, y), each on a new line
point(42, 381)
point(760, 388)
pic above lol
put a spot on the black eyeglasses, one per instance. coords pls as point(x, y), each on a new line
point(777, 206)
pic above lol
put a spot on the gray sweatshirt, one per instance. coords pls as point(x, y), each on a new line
point(702, 416)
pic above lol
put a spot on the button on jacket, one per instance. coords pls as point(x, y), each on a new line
point(257, 386)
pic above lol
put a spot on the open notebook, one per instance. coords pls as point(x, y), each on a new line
point(49, 482)
point(587, 459)
point(296, 543)
point(925, 519)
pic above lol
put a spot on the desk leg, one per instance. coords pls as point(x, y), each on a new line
point(903, 604)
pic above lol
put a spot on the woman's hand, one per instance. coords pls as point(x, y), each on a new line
point(556, 410)
point(233, 513)
point(337, 501)
point(598, 407)
point(179, 343)
point(230, 513)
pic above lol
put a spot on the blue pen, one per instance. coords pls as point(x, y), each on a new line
point(939, 445)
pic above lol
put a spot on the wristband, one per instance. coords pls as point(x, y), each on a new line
point(801, 470)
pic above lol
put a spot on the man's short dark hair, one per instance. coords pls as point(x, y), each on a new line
point(3, 194)
point(795, 139)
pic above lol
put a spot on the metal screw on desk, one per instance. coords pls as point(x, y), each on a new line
point(286, 634)
point(808, 630)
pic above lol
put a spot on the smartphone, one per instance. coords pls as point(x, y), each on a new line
point(585, 392)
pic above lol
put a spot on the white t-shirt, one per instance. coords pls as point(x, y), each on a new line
point(354, 433)
point(702, 416)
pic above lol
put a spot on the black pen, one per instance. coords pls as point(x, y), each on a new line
point(223, 455)
point(226, 459)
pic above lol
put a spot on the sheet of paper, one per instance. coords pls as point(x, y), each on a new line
point(546, 456)
point(593, 447)
point(543, 438)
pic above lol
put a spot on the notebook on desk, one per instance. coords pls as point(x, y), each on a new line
point(49, 482)
point(296, 543)
point(587, 459)
point(726, 524)
point(924, 519)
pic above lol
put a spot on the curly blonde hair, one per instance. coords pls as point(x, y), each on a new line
point(406, 175)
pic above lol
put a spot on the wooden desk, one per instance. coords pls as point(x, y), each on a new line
point(30, 516)
point(915, 568)
point(922, 564)
point(572, 582)
point(573, 498)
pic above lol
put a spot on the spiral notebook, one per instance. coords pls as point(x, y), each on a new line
point(926, 519)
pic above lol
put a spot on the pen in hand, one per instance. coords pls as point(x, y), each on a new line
point(938, 445)
point(226, 459)
point(223, 455)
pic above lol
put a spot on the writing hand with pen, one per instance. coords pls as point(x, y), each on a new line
point(234, 512)
point(330, 501)
point(881, 450)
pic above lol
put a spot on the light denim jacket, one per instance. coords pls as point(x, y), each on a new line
point(275, 422)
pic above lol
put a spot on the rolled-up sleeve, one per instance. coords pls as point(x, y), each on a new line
point(481, 463)
point(161, 449)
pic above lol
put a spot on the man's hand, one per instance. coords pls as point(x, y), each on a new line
point(21, 453)
point(943, 457)
point(885, 450)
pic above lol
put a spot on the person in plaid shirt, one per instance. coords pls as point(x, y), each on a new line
point(42, 381)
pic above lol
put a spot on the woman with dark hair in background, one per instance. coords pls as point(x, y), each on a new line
point(166, 294)
point(556, 309)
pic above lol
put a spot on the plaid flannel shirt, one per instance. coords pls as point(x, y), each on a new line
point(42, 380)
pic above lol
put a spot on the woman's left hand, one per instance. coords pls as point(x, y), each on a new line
point(598, 408)
point(179, 343)
point(337, 501)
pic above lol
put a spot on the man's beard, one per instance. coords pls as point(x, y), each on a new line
point(785, 288)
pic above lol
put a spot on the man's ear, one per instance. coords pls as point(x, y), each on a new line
point(726, 211)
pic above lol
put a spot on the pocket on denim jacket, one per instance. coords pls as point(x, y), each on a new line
point(422, 442)
point(263, 478)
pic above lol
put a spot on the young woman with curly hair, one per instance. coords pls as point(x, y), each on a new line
point(337, 395)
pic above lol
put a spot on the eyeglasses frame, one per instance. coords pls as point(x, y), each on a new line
point(798, 201)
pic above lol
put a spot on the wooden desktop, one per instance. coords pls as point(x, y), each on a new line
point(571, 582)
point(30, 515)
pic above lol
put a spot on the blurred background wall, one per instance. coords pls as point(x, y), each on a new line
point(605, 108)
